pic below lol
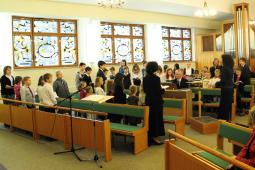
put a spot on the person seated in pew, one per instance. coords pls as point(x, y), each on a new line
point(246, 73)
point(60, 86)
point(216, 65)
point(204, 70)
point(98, 86)
point(239, 85)
point(27, 93)
point(247, 154)
point(17, 87)
point(180, 81)
point(206, 80)
point(212, 82)
point(188, 71)
point(169, 74)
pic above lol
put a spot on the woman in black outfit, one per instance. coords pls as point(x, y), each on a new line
point(7, 84)
point(227, 88)
point(154, 99)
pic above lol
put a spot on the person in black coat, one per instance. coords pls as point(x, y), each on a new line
point(180, 81)
point(154, 99)
point(246, 73)
point(87, 78)
point(216, 65)
point(227, 88)
point(127, 78)
point(119, 96)
point(100, 73)
point(7, 84)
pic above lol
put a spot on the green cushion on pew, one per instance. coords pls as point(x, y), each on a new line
point(76, 96)
point(211, 92)
point(214, 159)
point(195, 90)
point(123, 127)
point(248, 88)
point(235, 134)
point(124, 110)
point(173, 103)
point(171, 118)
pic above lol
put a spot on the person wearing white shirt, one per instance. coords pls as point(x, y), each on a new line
point(188, 71)
point(136, 76)
point(98, 86)
point(215, 79)
point(47, 95)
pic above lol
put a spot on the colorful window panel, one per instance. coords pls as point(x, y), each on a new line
point(106, 50)
point(166, 52)
point(122, 49)
point(186, 34)
point(137, 31)
point(175, 33)
point(68, 51)
point(187, 50)
point(165, 32)
point(138, 50)
point(176, 50)
point(67, 27)
point(22, 51)
point(21, 25)
point(106, 29)
point(45, 26)
point(122, 30)
point(46, 51)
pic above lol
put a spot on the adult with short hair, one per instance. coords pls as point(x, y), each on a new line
point(180, 81)
point(60, 86)
point(7, 84)
point(216, 65)
point(154, 99)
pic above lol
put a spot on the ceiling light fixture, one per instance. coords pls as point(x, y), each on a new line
point(112, 3)
point(206, 12)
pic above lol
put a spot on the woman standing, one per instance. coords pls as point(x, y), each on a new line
point(7, 84)
point(154, 99)
point(227, 88)
point(136, 75)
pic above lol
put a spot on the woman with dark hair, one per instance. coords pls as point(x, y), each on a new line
point(153, 99)
point(176, 67)
point(7, 84)
point(227, 87)
point(123, 64)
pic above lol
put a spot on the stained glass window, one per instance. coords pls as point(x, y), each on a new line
point(45, 26)
point(67, 27)
point(122, 41)
point(21, 25)
point(106, 50)
point(68, 51)
point(49, 43)
point(176, 46)
point(22, 51)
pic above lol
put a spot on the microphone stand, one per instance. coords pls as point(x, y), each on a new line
point(72, 150)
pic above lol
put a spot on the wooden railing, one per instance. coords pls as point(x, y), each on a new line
point(231, 160)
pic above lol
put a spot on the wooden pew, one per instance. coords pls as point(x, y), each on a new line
point(182, 94)
point(249, 89)
point(196, 101)
point(57, 126)
point(178, 159)
point(139, 134)
point(174, 113)
point(235, 134)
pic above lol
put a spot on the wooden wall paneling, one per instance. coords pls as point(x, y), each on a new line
point(5, 114)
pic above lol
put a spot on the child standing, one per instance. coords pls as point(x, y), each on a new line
point(26, 92)
point(82, 89)
point(133, 100)
point(17, 87)
point(98, 86)
point(113, 73)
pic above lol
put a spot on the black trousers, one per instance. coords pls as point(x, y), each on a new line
point(226, 104)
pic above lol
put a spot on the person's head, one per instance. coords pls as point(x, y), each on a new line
point(133, 90)
point(252, 117)
point(126, 70)
point(101, 65)
point(176, 66)
point(88, 70)
point(242, 61)
point(217, 73)
point(227, 60)
point(18, 80)
point(112, 70)
point(99, 82)
point(169, 73)
point(82, 66)
point(82, 86)
point(47, 78)
point(7, 70)
point(189, 65)
point(59, 74)
point(160, 70)
point(205, 69)
point(118, 81)
point(207, 75)
point(216, 62)
point(238, 72)
point(152, 67)
point(178, 74)
point(136, 68)
point(165, 68)
point(27, 81)
point(109, 86)
point(123, 63)
point(41, 81)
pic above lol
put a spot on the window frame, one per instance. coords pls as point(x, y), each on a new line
point(59, 35)
point(169, 38)
point(131, 37)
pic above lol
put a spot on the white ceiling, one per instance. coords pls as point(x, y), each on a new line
point(174, 7)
